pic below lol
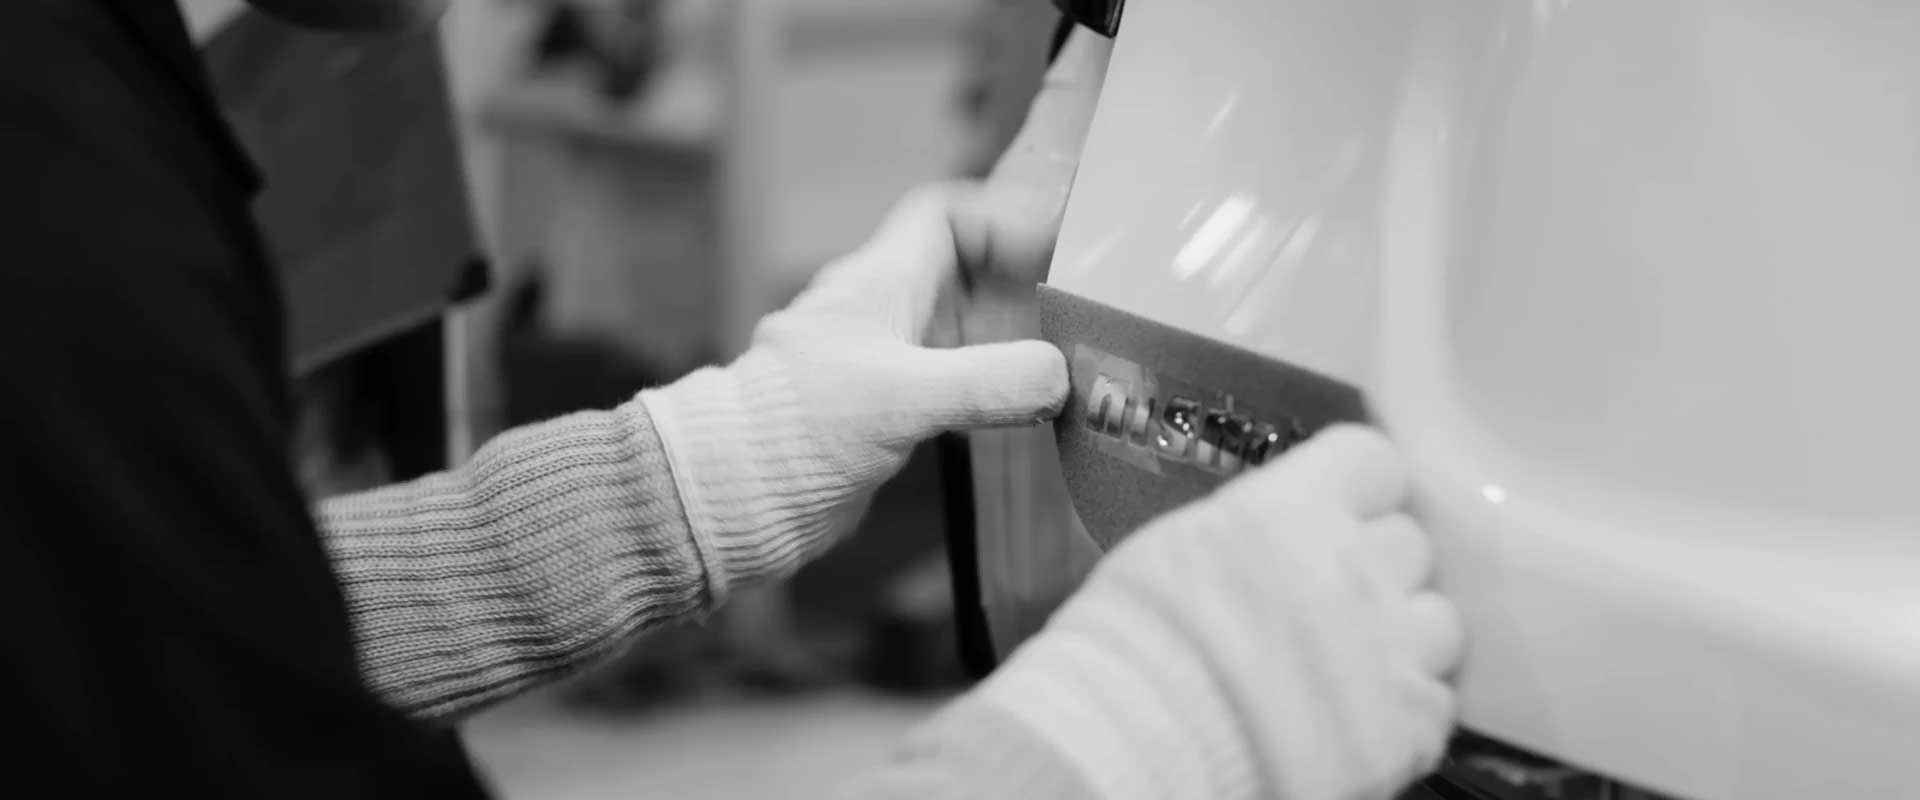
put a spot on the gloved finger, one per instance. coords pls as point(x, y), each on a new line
point(1046, 151)
point(988, 385)
point(1007, 227)
point(897, 276)
point(1005, 231)
point(1429, 727)
point(1351, 466)
point(1397, 551)
point(1432, 628)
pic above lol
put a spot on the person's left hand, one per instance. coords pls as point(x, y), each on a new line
point(777, 454)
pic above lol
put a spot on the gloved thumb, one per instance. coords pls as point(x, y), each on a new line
point(989, 385)
point(1005, 231)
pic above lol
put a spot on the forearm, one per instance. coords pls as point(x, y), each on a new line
point(541, 555)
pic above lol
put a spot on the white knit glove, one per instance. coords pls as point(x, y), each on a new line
point(1270, 640)
point(778, 453)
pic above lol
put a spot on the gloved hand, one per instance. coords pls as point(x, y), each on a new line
point(778, 453)
point(1270, 640)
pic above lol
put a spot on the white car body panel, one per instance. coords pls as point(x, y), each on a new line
point(1636, 285)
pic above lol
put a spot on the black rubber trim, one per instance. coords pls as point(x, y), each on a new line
point(1102, 16)
point(476, 278)
point(1060, 34)
point(963, 555)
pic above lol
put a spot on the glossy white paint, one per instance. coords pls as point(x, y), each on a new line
point(1636, 284)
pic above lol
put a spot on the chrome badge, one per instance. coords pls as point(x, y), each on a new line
point(1153, 419)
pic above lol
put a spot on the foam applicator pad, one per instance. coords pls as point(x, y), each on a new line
point(1158, 416)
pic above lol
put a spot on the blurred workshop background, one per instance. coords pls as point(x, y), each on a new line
point(546, 205)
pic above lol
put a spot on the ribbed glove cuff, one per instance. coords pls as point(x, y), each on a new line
point(735, 442)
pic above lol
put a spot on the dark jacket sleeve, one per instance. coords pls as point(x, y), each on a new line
point(175, 621)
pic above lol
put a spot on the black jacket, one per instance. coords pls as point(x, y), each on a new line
point(173, 620)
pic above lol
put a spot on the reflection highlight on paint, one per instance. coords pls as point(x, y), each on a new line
point(1213, 235)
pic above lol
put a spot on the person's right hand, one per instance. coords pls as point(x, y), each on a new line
point(1275, 639)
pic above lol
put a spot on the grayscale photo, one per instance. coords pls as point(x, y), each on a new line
point(876, 399)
